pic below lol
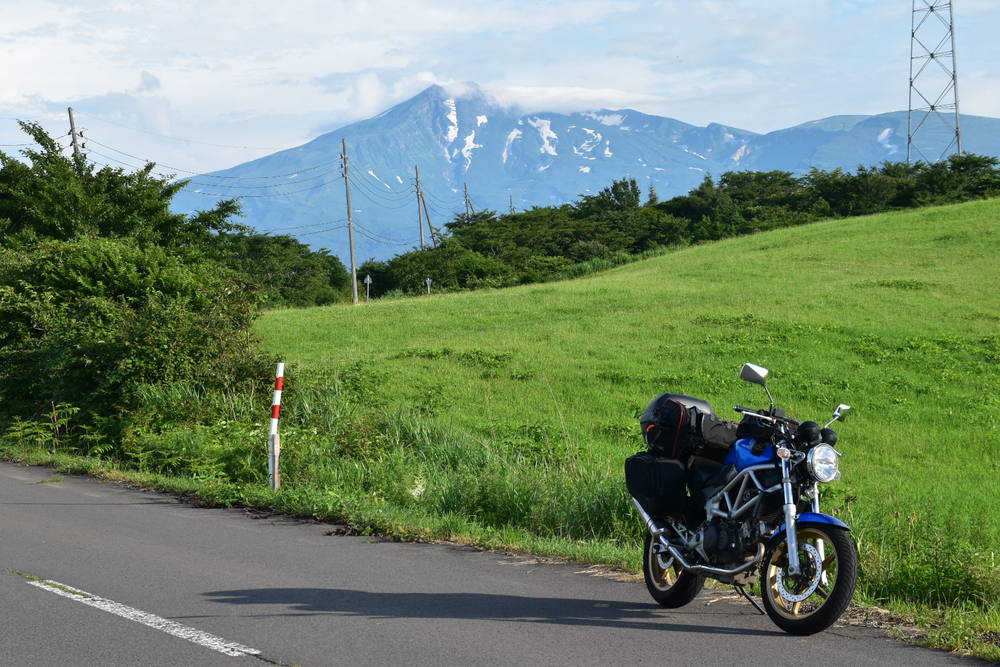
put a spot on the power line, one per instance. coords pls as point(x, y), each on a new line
point(317, 224)
point(235, 195)
point(382, 239)
point(388, 188)
point(322, 231)
point(202, 174)
point(443, 214)
point(441, 200)
point(274, 194)
point(392, 196)
point(381, 203)
point(189, 141)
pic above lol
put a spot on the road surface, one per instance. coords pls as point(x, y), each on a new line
point(98, 574)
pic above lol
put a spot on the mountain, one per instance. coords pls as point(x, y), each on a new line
point(530, 159)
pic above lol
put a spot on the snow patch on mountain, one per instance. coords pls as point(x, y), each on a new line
point(686, 150)
point(470, 145)
point(373, 175)
point(545, 133)
point(883, 141)
point(606, 119)
point(588, 145)
point(452, 117)
point(514, 134)
point(743, 151)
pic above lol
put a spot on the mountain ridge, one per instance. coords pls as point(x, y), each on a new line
point(508, 156)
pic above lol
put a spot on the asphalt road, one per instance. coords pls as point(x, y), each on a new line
point(134, 566)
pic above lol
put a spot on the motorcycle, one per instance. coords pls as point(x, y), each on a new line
point(756, 517)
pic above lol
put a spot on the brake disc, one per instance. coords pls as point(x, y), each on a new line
point(814, 579)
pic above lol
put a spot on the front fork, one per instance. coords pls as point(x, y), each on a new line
point(790, 511)
point(791, 535)
point(820, 544)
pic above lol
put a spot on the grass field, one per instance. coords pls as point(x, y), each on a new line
point(897, 315)
point(502, 418)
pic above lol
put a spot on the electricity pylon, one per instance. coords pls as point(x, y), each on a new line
point(933, 78)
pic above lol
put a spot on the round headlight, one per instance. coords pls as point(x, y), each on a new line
point(823, 463)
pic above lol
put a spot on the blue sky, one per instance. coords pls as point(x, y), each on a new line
point(205, 85)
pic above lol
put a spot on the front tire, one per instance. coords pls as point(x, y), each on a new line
point(669, 584)
point(813, 600)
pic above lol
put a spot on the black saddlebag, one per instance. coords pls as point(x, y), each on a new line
point(717, 437)
point(676, 426)
point(657, 483)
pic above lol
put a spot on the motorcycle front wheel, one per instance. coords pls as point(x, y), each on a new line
point(666, 580)
point(814, 599)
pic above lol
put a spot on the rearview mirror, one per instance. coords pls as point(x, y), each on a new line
point(754, 373)
point(841, 411)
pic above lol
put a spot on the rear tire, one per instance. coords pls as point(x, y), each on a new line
point(668, 584)
point(812, 601)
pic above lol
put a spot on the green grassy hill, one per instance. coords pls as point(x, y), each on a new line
point(897, 315)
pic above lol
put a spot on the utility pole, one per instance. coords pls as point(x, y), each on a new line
point(350, 223)
point(510, 198)
point(72, 132)
point(427, 217)
point(468, 202)
point(420, 219)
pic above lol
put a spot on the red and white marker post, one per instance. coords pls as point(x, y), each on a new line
point(273, 439)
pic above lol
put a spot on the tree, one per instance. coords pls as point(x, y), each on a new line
point(623, 194)
point(103, 290)
point(89, 320)
point(56, 197)
point(284, 271)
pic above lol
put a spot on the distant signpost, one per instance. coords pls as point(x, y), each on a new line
point(368, 287)
point(428, 283)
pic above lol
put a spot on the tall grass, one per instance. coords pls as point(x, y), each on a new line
point(532, 392)
point(503, 416)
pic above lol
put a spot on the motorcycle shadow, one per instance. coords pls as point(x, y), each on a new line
point(475, 606)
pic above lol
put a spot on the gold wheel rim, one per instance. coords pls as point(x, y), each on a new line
point(798, 610)
point(663, 568)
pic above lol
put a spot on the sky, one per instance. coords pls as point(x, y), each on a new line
point(198, 86)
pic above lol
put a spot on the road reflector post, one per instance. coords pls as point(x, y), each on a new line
point(273, 439)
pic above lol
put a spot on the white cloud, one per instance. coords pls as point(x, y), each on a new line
point(268, 74)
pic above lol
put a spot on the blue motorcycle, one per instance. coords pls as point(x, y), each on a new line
point(752, 516)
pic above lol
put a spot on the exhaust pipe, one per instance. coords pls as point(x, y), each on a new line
point(657, 531)
point(654, 528)
point(708, 569)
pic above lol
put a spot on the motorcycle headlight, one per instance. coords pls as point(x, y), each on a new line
point(823, 463)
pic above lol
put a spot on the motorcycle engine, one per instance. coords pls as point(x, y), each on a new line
point(723, 542)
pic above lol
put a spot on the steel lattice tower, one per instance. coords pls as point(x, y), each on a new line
point(933, 76)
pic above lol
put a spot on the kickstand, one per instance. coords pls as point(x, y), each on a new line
point(742, 591)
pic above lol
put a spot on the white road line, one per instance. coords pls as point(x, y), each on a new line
point(170, 627)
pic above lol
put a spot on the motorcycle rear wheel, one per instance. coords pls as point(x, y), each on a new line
point(813, 600)
point(666, 581)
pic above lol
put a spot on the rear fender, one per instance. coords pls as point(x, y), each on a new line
point(808, 519)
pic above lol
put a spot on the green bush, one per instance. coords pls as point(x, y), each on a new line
point(89, 320)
